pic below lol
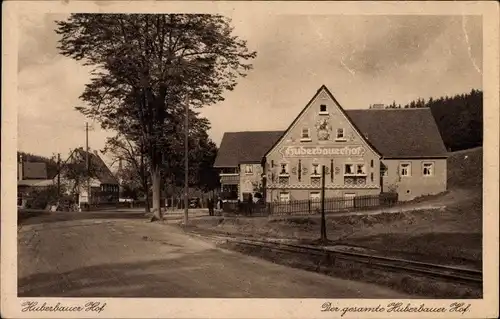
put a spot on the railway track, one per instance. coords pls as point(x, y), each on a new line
point(440, 272)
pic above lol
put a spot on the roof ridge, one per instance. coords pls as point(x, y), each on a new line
point(253, 131)
point(391, 109)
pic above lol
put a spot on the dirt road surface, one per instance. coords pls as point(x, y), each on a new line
point(118, 256)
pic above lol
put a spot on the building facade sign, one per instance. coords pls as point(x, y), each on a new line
point(313, 151)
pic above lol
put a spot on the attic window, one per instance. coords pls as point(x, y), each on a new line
point(323, 109)
point(305, 134)
point(340, 134)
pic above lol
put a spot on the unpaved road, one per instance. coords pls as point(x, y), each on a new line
point(129, 257)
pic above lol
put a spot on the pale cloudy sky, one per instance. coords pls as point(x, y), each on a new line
point(361, 59)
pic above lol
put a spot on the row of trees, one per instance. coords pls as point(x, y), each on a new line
point(146, 69)
point(459, 118)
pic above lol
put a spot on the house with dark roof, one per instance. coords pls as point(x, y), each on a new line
point(31, 176)
point(364, 152)
point(104, 185)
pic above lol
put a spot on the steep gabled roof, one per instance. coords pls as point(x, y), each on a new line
point(98, 168)
point(244, 147)
point(392, 133)
point(400, 132)
point(322, 88)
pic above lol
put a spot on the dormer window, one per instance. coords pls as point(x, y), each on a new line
point(305, 136)
point(323, 109)
point(340, 134)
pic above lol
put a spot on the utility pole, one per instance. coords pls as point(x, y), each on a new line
point(58, 177)
point(87, 161)
point(323, 221)
point(186, 162)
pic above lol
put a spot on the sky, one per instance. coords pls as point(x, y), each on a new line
point(362, 59)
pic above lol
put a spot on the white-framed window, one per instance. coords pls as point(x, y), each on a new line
point(323, 109)
point(248, 169)
point(340, 134)
point(355, 169)
point(315, 195)
point(384, 170)
point(360, 169)
point(284, 197)
point(284, 169)
point(349, 169)
point(315, 169)
point(305, 134)
point(405, 169)
point(428, 168)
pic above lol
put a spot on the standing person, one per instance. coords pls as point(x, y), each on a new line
point(221, 204)
point(250, 203)
point(210, 205)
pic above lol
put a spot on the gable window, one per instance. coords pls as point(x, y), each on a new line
point(355, 169)
point(323, 109)
point(315, 169)
point(371, 163)
point(284, 197)
point(405, 169)
point(284, 169)
point(340, 134)
point(360, 169)
point(305, 136)
point(349, 169)
point(248, 169)
point(428, 169)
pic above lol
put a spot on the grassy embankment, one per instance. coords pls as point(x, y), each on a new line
point(452, 235)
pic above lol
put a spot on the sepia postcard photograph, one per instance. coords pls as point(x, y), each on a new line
point(249, 159)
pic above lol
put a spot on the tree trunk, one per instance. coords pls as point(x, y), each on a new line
point(145, 184)
point(156, 183)
point(147, 207)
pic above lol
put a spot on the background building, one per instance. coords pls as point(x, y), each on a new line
point(104, 185)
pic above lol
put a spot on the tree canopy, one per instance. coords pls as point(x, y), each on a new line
point(146, 67)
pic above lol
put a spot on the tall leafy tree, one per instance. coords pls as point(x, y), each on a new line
point(145, 64)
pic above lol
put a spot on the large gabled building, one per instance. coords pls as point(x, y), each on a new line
point(365, 152)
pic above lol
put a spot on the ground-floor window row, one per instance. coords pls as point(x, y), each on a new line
point(355, 174)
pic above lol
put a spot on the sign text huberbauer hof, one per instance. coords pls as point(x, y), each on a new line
point(306, 151)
